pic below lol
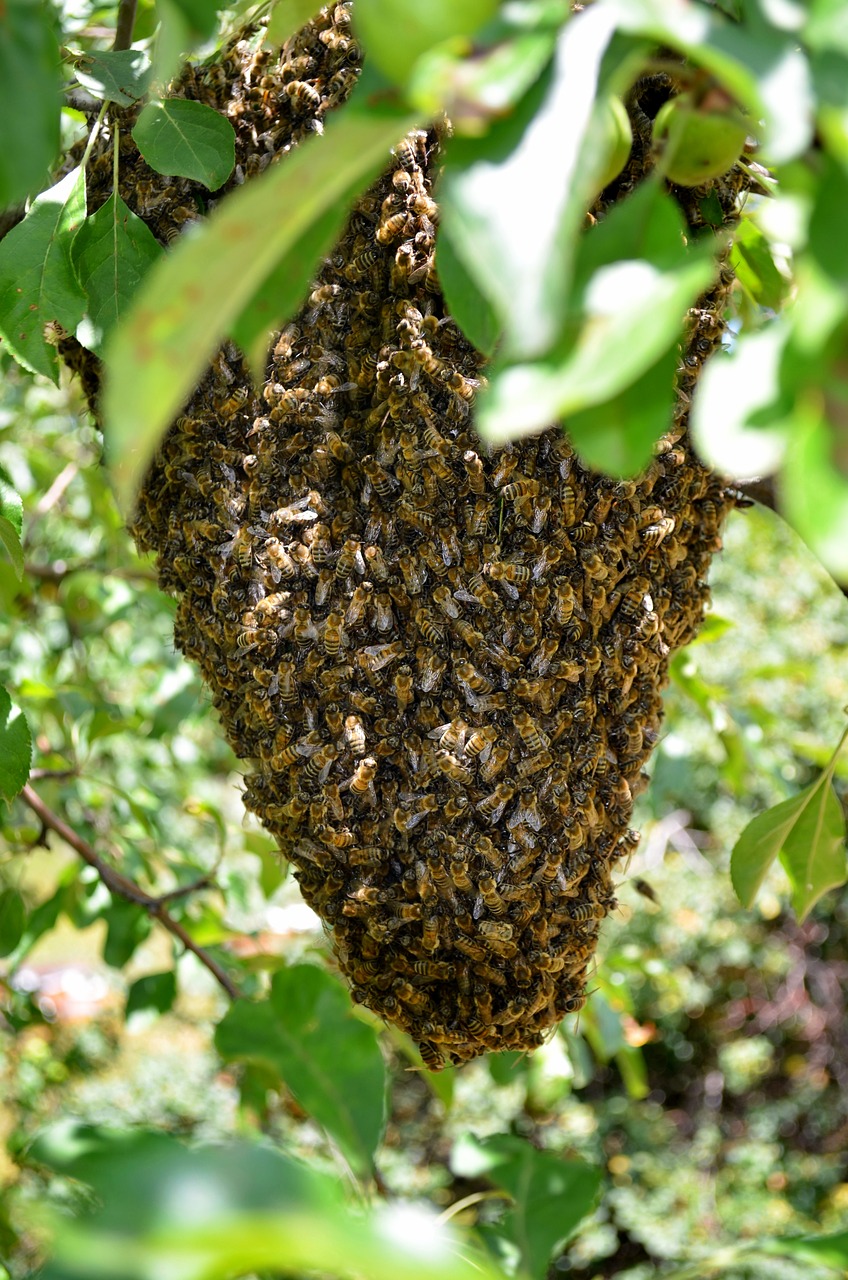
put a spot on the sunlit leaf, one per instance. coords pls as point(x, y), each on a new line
point(210, 1213)
point(734, 395)
point(287, 17)
point(763, 68)
point(15, 747)
point(395, 34)
point(112, 253)
point(814, 490)
point(512, 202)
point(30, 102)
point(190, 301)
point(329, 1060)
point(471, 309)
point(37, 279)
point(11, 524)
point(617, 436)
point(813, 853)
point(551, 1195)
point(115, 75)
point(613, 348)
point(830, 1250)
point(808, 833)
point(186, 139)
point(754, 265)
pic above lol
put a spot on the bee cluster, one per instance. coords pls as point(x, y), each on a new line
point(443, 665)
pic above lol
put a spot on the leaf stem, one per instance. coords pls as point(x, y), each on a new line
point(125, 24)
point(128, 889)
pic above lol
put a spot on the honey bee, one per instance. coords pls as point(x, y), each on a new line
point(355, 735)
point(362, 781)
point(444, 600)
point(237, 400)
point(455, 808)
point(470, 678)
point(289, 691)
point(303, 95)
point(356, 610)
point(403, 688)
point(376, 564)
point(428, 626)
point(518, 489)
point(348, 556)
point(480, 743)
point(566, 601)
point(451, 766)
point(492, 806)
point(532, 737)
point(654, 534)
point(406, 819)
point(333, 634)
point(318, 765)
point(413, 575)
point(534, 764)
point(496, 763)
point(507, 571)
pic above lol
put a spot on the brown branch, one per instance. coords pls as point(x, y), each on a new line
point(128, 889)
point(126, 22)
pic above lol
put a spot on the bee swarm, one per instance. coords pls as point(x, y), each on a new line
point(443, 665)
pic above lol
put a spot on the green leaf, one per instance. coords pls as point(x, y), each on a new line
point(737, 391)
point(551, 1195)
point(12, 920)
point(15, 747)
point(826, 243)
point(30, 101)
point(201, 16)
point(11, 524)
point(825, 1250)
point(186, 139)
point(287, 17)
point(127, 926)
point(154, 991)
point(807, 832)
point(628, 270)
point(330, 1061)
point(763, 68)
point(618, 435)
point(512, 203)
point(11, 541)
point(112, 253)
point(282, 292)
point(37, 280)
point(121, 75)
point(395, 34)
point(475, 91)
point(813, 853)
point(752, 261)
point(211, 1213)
point(814, 492)
point(191, 300)
point(471, 310)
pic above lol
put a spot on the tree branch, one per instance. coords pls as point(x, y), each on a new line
point(128, 889)
point(125, 24)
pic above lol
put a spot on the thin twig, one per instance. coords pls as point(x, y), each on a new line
point(37, 774)
point(58, 570)
point(125, 24)
point(128, 889)
point(204, 882)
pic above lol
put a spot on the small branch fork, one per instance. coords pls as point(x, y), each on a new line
point(124, 888)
